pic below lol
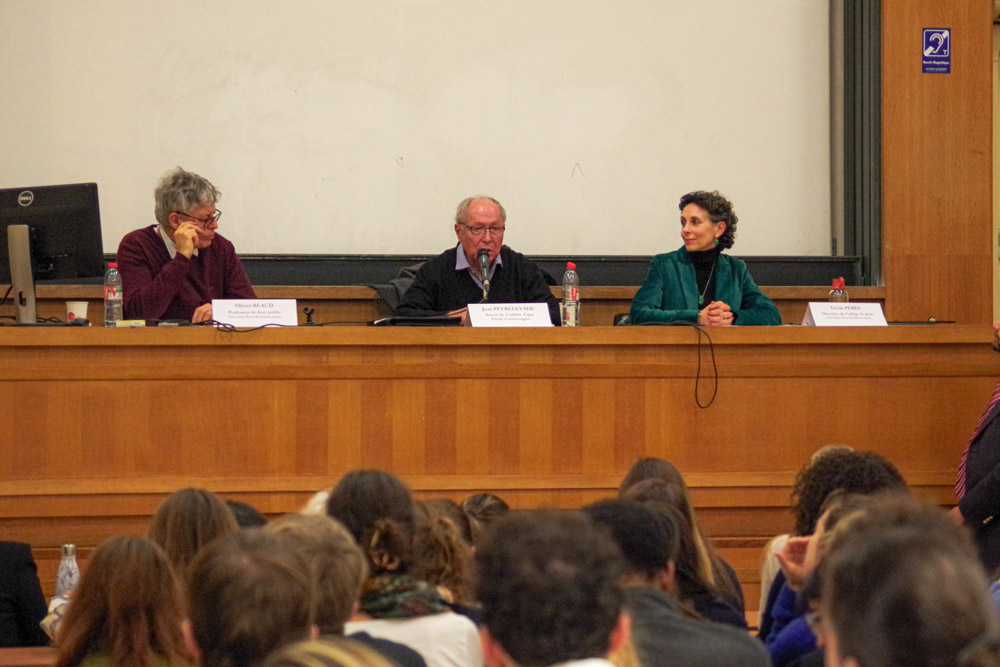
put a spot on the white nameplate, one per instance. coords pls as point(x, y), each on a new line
point(509, 315)
point(255, 312)
point(825, 314)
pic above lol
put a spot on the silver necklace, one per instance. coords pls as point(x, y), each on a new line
point(701, 297)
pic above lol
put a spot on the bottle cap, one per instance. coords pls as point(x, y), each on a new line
point(571, 266)
point(69, 550)
point(112, 265)
point(838, 283)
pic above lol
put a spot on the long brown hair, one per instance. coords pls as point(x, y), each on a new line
point(443, 553)
point(188, 520)
point(709, 562)
point(128, 607)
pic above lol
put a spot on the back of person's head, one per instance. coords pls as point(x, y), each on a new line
point(377, 509)
point(647, 540)
point(689, 577)
point(316, 503)
point(550, 585)
point(337, 565)
point(483, 510)
point(188, 520)
point(862, 473)
point(128, 607)
point(443, 556)
point(902, 587)
point(246, 515)
point(248, 594)
point(326, 652)
point(652, 468)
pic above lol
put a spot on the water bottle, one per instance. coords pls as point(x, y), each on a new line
point(112, 295)
point(69, 572)
point(571, 297)
point(838, 294)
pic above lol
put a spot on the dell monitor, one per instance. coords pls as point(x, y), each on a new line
point(48, 233)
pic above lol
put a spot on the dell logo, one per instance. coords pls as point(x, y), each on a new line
point(25, 198)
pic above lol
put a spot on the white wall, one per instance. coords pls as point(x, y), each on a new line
point(356, 126)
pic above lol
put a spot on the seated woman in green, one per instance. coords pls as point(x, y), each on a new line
point(698, 283)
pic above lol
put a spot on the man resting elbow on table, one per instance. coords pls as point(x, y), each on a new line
point(173, 270)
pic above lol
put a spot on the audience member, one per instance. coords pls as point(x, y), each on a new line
point(483, 509)
point(696, 594)
point(22, 605)
point(378, 511)
point(248, 595)
point(317, 503)
point(661, 633)
point(188, 520)
point(862, 473)
point(127, 610)
point(716, 572)
point(338, 570)
point(246, 515)
point(550, 586)
point(903, 587)
point(326, 652)
point(443, 550)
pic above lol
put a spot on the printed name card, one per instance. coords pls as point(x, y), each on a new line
point(823, 314)
point(255, 312)
point(509, 315)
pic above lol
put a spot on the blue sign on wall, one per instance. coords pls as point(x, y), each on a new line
point(937, 51)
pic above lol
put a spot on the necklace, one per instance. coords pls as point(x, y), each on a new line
point(701, 297)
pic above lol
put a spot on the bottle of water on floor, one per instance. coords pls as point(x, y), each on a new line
point(571, 296)
point(69, 572)
point(112, 295)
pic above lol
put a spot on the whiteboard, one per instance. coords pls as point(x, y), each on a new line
point(355, 127)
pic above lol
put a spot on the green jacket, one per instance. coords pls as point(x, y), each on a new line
point(670, 292)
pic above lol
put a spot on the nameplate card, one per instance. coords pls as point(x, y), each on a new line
point(509, 315)
point(824, 314)
point(255, 312)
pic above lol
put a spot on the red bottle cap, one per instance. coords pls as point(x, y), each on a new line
point(838, 283)
point(571, 266)
point(112, 265)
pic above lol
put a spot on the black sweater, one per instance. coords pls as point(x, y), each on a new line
point(439, 288)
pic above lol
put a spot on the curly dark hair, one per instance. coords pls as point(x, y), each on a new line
point(719, 209)
point(863, 473)
point(550, 585)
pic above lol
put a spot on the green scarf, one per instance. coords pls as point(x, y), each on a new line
point(388, 596)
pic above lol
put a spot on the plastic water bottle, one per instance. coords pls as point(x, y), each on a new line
point(838, 294)
point(68, 575)
point(571, 297)
point(112, 295)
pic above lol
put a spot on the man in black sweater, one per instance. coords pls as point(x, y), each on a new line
point(448, 283)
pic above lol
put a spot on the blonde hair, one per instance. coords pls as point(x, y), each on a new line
point(326, 652)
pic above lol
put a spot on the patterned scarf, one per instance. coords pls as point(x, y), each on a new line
point(389, 596)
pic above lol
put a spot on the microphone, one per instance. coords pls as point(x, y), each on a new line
point(484, 268)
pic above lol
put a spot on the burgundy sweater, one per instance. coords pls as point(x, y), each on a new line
point(156, 286)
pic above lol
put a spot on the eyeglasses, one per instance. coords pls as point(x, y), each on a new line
point(479, 231)
point(204, 222)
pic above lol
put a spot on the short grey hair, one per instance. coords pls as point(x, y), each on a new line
point(182, 191)
point(463, 208)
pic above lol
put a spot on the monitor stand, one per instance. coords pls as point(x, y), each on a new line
point(21, 279)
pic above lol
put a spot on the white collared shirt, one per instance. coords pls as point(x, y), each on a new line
point(169, 242)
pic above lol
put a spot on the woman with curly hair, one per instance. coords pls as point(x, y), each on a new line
point(697, 283)
point(377, 509)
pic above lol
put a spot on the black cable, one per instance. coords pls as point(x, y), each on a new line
point(711, 346)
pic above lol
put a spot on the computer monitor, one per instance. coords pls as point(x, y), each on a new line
point(50, 232)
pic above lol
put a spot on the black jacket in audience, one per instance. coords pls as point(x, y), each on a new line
point(22, 605)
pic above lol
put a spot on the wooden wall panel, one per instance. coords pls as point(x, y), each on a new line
point(937, 164)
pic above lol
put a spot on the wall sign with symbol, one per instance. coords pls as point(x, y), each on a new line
point(937, 51)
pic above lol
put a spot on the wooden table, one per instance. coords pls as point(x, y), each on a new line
point(102, 424)
point(28, 656)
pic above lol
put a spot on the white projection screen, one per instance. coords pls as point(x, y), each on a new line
point(356, 126)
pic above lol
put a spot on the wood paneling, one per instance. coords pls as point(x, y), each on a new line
point(936, 164)
point(103, 424)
